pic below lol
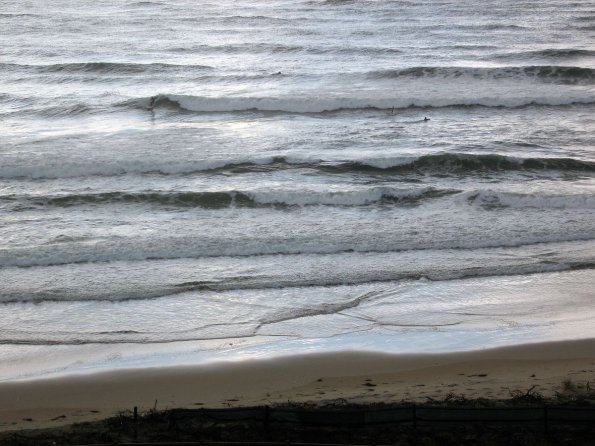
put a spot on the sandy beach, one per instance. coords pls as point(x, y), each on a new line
point(357, 377)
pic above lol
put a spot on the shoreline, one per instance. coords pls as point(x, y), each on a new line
point(354, 376)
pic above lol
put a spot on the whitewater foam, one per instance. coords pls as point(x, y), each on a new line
point(490, 198)
point(224, 246)
point(146, 280)
point(422, 98)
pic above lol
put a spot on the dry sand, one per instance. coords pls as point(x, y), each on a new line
point(357, 377)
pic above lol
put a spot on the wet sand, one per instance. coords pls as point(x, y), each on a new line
point(357, 377)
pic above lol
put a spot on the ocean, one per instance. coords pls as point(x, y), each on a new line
point(184, 181)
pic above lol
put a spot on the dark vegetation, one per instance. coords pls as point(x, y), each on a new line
point(527, 418)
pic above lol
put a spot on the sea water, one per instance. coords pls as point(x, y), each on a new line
point(187, 181)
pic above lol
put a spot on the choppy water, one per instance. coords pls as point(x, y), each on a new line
point(187, 180)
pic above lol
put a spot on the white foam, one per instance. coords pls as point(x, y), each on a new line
point(520, 200)
point(409, 317)
point(337, 198)
point(153, 279)
point(464, 91)
point(138, 248)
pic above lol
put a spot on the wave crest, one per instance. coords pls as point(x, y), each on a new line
point(495, 199)
point(548, 53)
point(316, 105)
point(104, 68)
point(565, 74)
point(440, 163)
point(224, 199)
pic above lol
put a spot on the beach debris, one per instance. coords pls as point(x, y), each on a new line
point(568, 385)
point(455, 399)
point(530, 396)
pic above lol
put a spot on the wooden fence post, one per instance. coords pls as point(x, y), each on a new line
point(267, 422)
point(414, 419)
point(135, 411)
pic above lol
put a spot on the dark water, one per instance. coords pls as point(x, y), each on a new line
point(185, 180)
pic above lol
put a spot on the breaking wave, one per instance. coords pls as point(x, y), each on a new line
point(495, 199)
point(224, 199)
point(441, 163)
point(313, 105)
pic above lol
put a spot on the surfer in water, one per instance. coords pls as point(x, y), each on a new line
point(426, 118)
point(152, 102)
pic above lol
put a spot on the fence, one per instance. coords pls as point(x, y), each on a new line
point(406, 414)
point(351, 419)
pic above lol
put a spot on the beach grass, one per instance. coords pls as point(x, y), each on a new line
point(331, 422)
